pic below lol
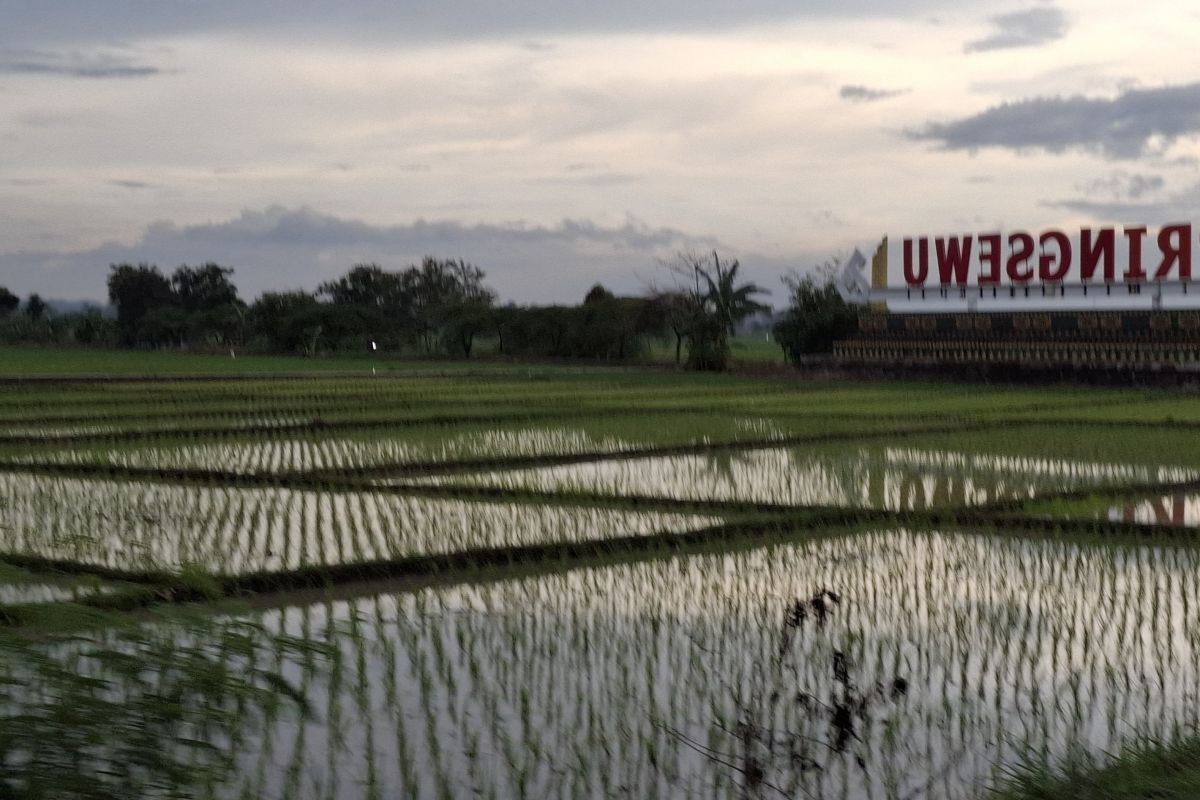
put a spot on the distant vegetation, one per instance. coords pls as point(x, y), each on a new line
point(441, 307)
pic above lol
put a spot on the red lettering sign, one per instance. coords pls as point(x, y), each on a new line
point(954, 259)
point(990, 258)
point(1134, 273)
point(1051, 256)
point(1020, 251)
point(915, 276)
point(1089, 258)
point(1050, 267)
point(1175, 244)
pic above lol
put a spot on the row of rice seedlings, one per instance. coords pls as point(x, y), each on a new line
point(222, 529)
point(188, 410)
point(287, 451)
point(274, 455)
point(633, 680)
point(886, 478)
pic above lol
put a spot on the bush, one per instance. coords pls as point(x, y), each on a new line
point(817, 318)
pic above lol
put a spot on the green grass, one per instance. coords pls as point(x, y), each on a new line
point(16, 361)
point(1142, 772)
point(750, 349)
point(28, 360)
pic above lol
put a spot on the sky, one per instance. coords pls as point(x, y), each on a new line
point(557, 145)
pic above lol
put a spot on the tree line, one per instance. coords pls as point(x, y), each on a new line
point(437, 307)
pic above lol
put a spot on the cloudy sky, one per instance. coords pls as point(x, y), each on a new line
point(561, 144)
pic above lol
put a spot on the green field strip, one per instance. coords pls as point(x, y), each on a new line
point(182, 398)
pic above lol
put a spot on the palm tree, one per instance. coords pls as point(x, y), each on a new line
point(731, 302)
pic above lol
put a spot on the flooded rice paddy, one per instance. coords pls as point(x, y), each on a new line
point(141, 526)
point(631, 680)
point(759, 588)
point(892, 478)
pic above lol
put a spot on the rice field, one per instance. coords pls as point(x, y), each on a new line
point(540, 582)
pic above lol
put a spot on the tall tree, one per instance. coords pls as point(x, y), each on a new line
point(135, 291)
point(438, 285)
point(678, 312)
point(732, 303)
point(367, 285)
point(8, 302)
point(597, 294)
point(35, 307)
point(380, 299)
point(204, 288)
point(289, 321)
point(716, 303)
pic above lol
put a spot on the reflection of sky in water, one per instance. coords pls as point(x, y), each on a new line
point(890, 478)
point(21, 592)
point(129, 525)
point(1174, 511)
point(561, 685)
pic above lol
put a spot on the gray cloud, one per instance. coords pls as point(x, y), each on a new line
point(1179, 206)
point(1123, 127)
point(131, 184)
point(73, 64)
point(408, 20)
point(865, 94)
point(1122, 185)
point(280, 248)
point(1034, 26)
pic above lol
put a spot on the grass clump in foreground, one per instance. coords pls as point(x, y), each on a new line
point(1148, 769)
point(137, 711)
